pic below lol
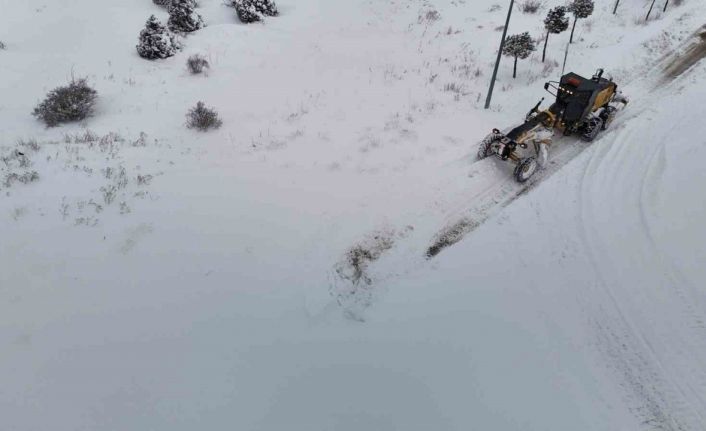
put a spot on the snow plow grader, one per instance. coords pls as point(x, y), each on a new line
point(583, 107)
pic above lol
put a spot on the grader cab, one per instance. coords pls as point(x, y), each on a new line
point(583, 106)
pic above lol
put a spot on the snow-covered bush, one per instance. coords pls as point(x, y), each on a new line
point(202, 118)
point(156, 41)
point(197, 63)
point(183, 18)
point(555, 22)
point(191, 3)
point(519, 46)
point(2, 45)
point(254, 10)
point(73, 102)
point(530, 6)
point(581, 9)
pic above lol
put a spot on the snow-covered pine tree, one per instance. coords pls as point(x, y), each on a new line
point(183, 18)
point(555, 22)
point(156, 41)
point(254, 10)
point(581, 9)
point(518, 46)
point(170, 3)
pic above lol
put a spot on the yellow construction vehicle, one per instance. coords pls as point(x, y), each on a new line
point(582, 106)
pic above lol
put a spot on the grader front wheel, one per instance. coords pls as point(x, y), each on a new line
point(525, 169)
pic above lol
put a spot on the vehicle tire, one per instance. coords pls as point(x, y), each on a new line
point(594, 126)
point(608, 115)
point(484, 149)
point(525, 169)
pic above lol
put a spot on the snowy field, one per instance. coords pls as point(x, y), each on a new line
point(290, 270)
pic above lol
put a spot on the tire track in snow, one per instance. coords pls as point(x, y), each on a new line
point(660, 399)
point(691, 301)
point(616, 338)
point(491, 189)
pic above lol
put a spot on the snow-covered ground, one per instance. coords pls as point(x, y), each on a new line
point(154, 277)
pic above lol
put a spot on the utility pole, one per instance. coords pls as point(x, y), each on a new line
point(500, 53)
point(566, 55)
point(650, 11)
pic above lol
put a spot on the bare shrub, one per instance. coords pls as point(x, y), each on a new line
point(85, 137)
point(2, 45)
point(197, 63)
point(428, 16)
point(141, 141)
point(202, 118)
point(24, 178)
point(144, 180)
point(30, 144)
point(549, 67)
point(531, 6)
point(16, 159)
point(73, 102)
point(456, 89)
point(453, 87)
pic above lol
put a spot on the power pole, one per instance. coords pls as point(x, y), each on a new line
point(650, 11)
point(566, 55)
point(500, 53)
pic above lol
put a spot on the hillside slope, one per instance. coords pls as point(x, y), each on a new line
point(152, 277)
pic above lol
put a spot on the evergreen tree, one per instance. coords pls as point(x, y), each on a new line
point(156, 41)
point(581, 9)
point(519, 46)
point(555, 22)
point(170, 3)
point(183, 18)
point(254, 10)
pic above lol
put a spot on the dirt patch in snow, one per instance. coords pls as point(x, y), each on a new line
point(694, 52)
point(450, 236)
point(353, 285)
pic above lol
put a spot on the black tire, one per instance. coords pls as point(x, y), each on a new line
point(608, 115)
point(484, 149)
point(525, 169)
point(594, 126)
